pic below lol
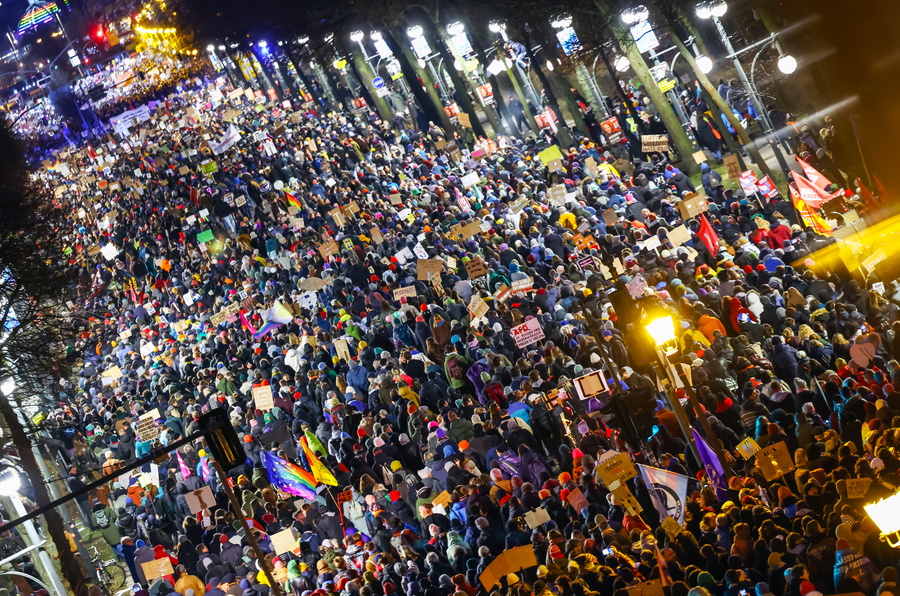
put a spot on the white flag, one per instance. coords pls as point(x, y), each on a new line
point(668, 491)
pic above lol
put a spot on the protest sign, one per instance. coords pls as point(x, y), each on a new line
point(262, 397)
point(405, 292)
point(475, 268)
point(200, 500)
point(284, 541)
point(615, 469)
point(537, 518)
point(774, 461)
point(527, 333)
point(157, 568)
point(857, 488)
point(425, 268)
point(478, 307)
point(654, 143)
point(342, 348)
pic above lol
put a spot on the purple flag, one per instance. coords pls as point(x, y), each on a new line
point(714, 469)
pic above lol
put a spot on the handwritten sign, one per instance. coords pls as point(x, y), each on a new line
point(284, 541)
point(200, 500)
point(406, 292)
point(615, 469)
point(475, 268)
point(157, 568)
point(426, 268)
point(478, 307)
point(262, 397)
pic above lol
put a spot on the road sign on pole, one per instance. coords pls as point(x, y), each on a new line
point(378, 82)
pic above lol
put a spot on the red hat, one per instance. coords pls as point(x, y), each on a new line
point(394, 495)
point(360, 432)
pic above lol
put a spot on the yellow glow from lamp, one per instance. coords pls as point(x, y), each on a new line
point(662, 330)
point(886, 515)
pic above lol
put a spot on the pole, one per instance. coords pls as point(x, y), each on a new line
point(760, 109)
point(33, 537)
point(677, 408)
point(223, 478)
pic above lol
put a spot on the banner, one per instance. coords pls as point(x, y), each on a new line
point(121, 122)
point(669, 491)
point(813, 175)
point(229, 139)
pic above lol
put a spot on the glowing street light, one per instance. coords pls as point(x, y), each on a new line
point(10, 482)
point(210, 48)
point(787, 63)
point(357, 36)
point(549, 66)
point(704, 63)
point(456, 28)
point(621, 64)
point(376, 35)
point(636, 14)
point(415, 32)
point(711, 9)
point(661, 330)
point(496, 27)
point(562, 22)
point(886, 515)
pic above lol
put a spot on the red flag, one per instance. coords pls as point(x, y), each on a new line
point(883, 196)
point(866, 194)
point(708, 236)
point(809, 215)
point(812, 195)
point(813, 175)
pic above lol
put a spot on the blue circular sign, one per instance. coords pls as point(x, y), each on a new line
point(378, 82)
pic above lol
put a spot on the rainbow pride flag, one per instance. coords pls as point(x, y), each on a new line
point(319, 470)
point(292, 199)
point(289, 478)
point(275, 317)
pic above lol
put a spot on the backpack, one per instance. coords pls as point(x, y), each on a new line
point(455, 369)
point(101, 518)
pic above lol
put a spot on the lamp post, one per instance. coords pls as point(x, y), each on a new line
point(10, 482)
point(713, 9)
point(662, 332)
point(886, 515)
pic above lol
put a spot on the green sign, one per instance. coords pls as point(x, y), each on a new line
point(205, 236)
point(209, 167)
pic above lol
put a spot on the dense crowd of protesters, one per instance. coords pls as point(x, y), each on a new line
point(403, 399)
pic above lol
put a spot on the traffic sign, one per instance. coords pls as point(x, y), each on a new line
point(378, 82)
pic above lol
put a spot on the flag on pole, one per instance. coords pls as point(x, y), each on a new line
point(668, 491)
point(708, 235)
point(183, 467)
point(812, 195)
point(813, 175)
point(292, 199)
point(810, 216)
point(289, 478)
point(319, 470)
point(314, 442)
point(715, 471)
point(275, 317)
point(866, 195)
point(883, 196)
point(247, 324)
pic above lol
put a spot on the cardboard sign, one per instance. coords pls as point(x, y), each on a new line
point(464, 120)
point(557, 193)
point(672, 527)
point(615, 469)
point(774, 461)
point(329, 248)
point(733, 166)
point(471, 229)
point(692, 206)
point(509, 561)
point(700, 157)
point(501, 293)
point(577, 500)
point(527, 333)
point(610, 217)
point(654, 143)
point(426, 268)
point(114, 373)
point(442, 500)
point(748, 448)
point(147, 429)
point(376, 236)
point(406, 292)
point(342, 348)
point(200, 499)
point(857, 488)
point(478, 307)
point(262, 397)
point(636, 286)
point(157, 568)
point(624, 498)
point(476, 268)
point(312, 284)
point(284, 541)
point(678, 236)
point(522, 286)
point(537, 518)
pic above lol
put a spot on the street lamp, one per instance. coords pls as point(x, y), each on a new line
point(210, 48)
point(661, 330)
point(456, 28)
point(886, 515)
point(496, 27)
point(787, 63)
point(704, 63)
point(711, 8)
point(549, 66)
point(621, 64)
point(562, 22)
point(375, 36)
point(221, 48)
point(415, 32)
point(357, 36)
point(636, 14)
point(10, 483)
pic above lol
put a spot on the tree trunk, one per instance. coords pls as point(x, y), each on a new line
point(494, 116)
point(364, 73)
point(683, 145)
point(729, 115)
point(71, 568)
point(626, 103)
point(462, 89)
point(307, 84)
point(431, 109)
point(542, 77)
point(692, 29)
